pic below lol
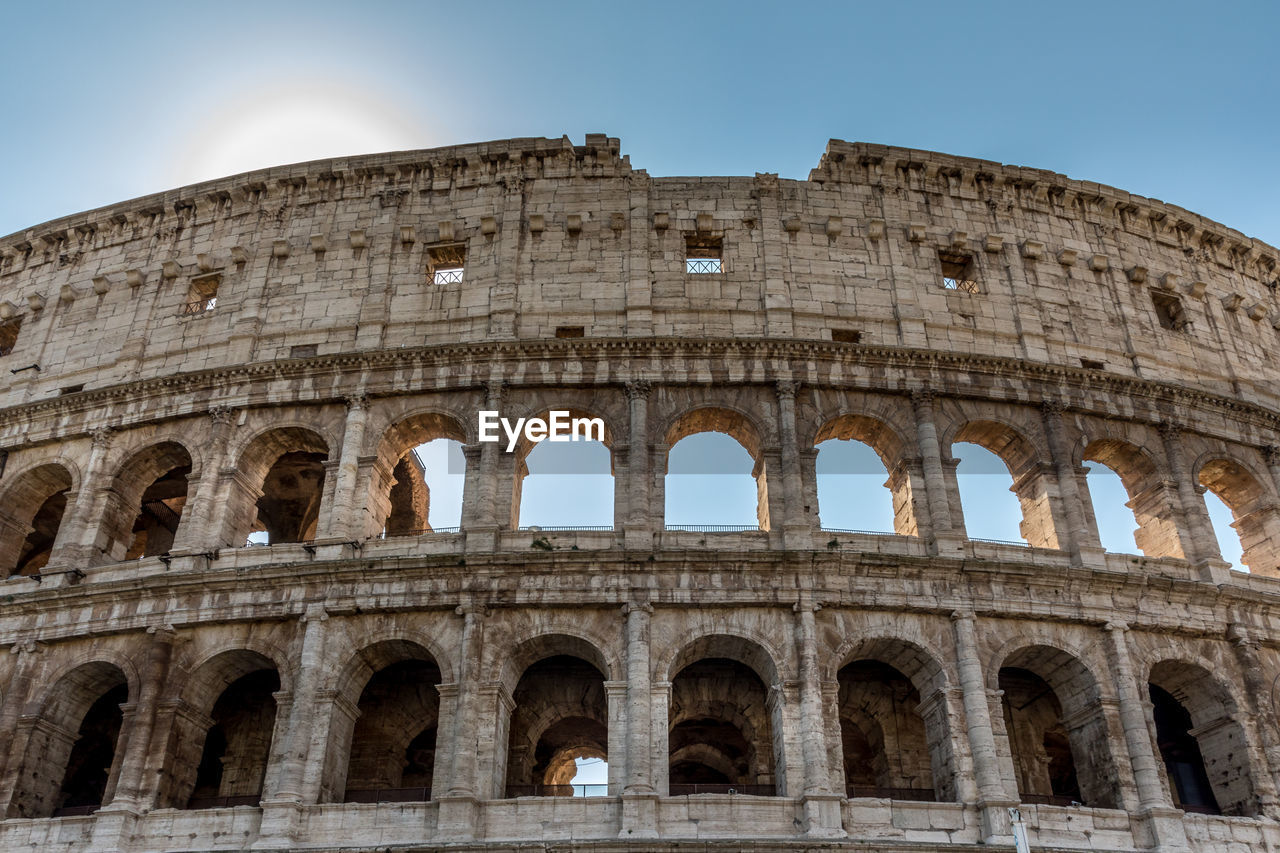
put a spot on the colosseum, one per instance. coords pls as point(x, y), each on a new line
point(229, 624)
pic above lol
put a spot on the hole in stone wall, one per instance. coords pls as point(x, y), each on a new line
point(570, 331)
point(9, 335)
point(1169, 311)
point(958, 272)
point(703, 254)
point(446, 263)
point(846, 336)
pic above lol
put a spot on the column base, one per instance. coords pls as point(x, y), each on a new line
point(481, 540)
point(637, 537)
point(189, 559)
point(333, 549)
point(113, 825)
point(797, 537)
point(948, 544)
point(1216, 572)
point(822, 816)
point(1090, 557)
point(457, 818)
point(997, 826)
point(281, 819)
point(1160, 829)
point(639, 816)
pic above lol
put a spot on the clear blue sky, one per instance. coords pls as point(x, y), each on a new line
point(1174, 100)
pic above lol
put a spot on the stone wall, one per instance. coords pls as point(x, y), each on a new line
point(364, 682)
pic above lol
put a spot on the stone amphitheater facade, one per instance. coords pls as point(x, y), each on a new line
point(263, 351)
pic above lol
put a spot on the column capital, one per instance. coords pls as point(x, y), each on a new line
point(1116, 627)
point(637, 389)
point(923, 396)
point(494, 389)
point(101, 436)
point(1271, 453)
point(1052, 407)
point(787, 388)
point(631, 606)
point(962, 615)
point(163, 633)
point(357, 402)
point(806, 607)
point(1169, 430)
point(315, 612)
point(221, 415)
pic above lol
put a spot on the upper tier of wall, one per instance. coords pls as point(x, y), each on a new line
point(334, 255)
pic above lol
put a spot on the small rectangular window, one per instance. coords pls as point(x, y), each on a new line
point(703, 255)
point(958, 272)
point(9, 335)
point(1169, 311)
point(302, 351)
point(71, 389)
point(446, 262)
point(1091, 364)
point(570, 331)
point(846, 336)
point(203, 294)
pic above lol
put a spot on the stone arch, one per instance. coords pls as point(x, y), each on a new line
point(223, 727)
point(1206, 751)
point(1149, 490)
point(559, 712)
point(1056, 729)
point(72, 757)
point(551, 643)
point(382, 743)
point(32, 511)
point(524, 447)
point(1026, 461)
point(144, 505)
point(890, 446)
point(892, 705)
point(738, 425)
point(279, 485)
point(398, 499)
point(1253, 506)
point(723, 699)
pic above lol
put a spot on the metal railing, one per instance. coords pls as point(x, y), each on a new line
point(964, 285)
point(714, 528)
point(387, 795)
point(447, 276)
point(702, 266)
point(556, 528)
point(423, 531)
point(1049, 800)
point(223, 802)
point(557, 791)
point(917, 795)
point(75, 811)
point(858, 532)
point(681, 790)
point(199, 306)
point(1019, 542)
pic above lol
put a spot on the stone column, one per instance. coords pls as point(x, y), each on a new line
point(131, 782)
point(302, 713)
point(993, 795)
point(796, 526)
point(12, 748)
point(459, 805)
point(1272, 454)
point(1199, 542)
point(638, 531)
point(1081, 538)
point(821, 805)
point(1246, 650)
point(615, 693)
point(194, 530)
point(73, 546)
point(342, 521)
point(945, 540)
point(639, 796)
point(1159, 824)
point(482, 533)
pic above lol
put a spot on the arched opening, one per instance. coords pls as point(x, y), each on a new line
point(862, 483)
point(560, 719)
point(289, 463)
point(222, 733)
point(993, 461)
point(144, 505)
point(1201, 742)
point(393, 745)
point(991, 510)
point(715, 477)
point(893, 743)
point(721, 720)
point(886, 748)
point(1146, 498)
point(566, 484)
point(30, 517)
point(1245, 517)
point(69, 764)
point(417, 484)
point(1117, 524)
